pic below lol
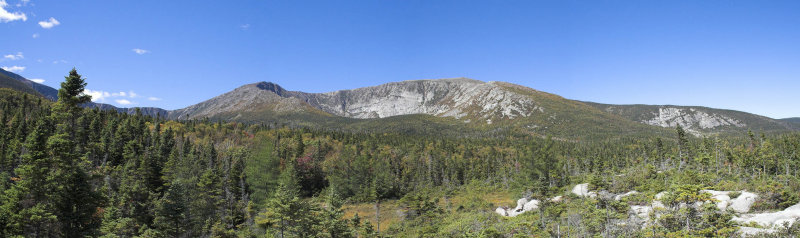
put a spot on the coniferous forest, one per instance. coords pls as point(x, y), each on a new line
point(70, 171)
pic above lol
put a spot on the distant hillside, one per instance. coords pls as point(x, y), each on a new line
point(44, 90)
point(10, 83)
point(794, 121)
point(19, 83)
point(695, 118)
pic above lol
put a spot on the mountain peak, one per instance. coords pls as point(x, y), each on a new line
point(265, 86)
point(270, 86)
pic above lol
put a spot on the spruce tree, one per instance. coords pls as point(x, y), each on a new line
point(74, 198)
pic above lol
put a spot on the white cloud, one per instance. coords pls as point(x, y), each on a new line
point(6, 16)
point(245, 26)
point(123, 102)
point(97, 96)
point(59, 61)
point(118, 97)
point(18, 56)
point(23, 3)
point(35, 35)
point(37, 80)
point(140, 51)
point(50, 23)
point(15, 69)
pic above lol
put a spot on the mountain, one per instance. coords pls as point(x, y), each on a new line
point(8, 82)
point(459, 104)
point(794, 121)
point(19, 83)
point(41, 89)
point(696, 119)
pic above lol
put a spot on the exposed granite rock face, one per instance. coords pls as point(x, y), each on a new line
point(697, 120)
point(443, 97)
point(690, 118)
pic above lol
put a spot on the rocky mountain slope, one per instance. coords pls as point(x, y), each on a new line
point(696, 119)
point(465, 104)
point(457, 98)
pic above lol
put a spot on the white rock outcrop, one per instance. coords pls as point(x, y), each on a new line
point(641, 211)
point(740, 204)
point(582, 190)
point(771, 219)
point(523, 205)
point(743, 202)
point(690, 118)
point(750, 231)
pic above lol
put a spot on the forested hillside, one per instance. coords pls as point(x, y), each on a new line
point(68, 171)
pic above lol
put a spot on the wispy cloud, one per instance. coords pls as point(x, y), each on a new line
point(23, 3)
point(15, 69)
point(6, 16)
point(123, 102)
point(59, 61)
point(35, 35)
point(245, 26)
point(121, 98)
point(50, 23)
point(140, 51)
point(37, 80)
point(17, 56)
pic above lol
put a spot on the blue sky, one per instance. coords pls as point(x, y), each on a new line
point(742, 55)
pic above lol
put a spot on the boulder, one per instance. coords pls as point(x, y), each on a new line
point(523, 205)
point(582, 190)
point(502, 211)
point(531, 205)
point(619, 197)
point(557, 199)
point(722, 197)
point(660, 195)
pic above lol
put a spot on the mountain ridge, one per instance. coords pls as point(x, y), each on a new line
point(475, 103)
point(462, 103)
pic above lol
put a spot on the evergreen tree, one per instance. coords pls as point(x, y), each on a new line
point(682, 142)
point(28, 205)
point(170, 211)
